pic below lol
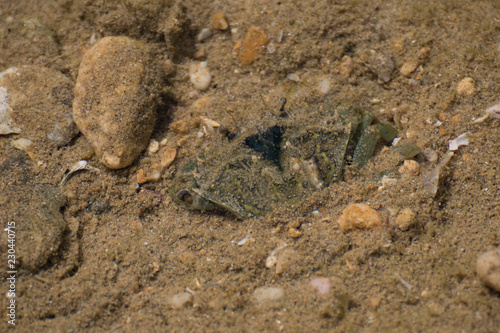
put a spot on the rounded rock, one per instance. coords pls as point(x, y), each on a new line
point(488, 269)
point(115, 99)
point(358, 216)
point(219, 21)
point(199, 75)
point(408, 68)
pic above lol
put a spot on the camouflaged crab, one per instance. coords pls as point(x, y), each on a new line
point(253, 174)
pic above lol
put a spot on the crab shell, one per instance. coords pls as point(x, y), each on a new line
point(281, 165)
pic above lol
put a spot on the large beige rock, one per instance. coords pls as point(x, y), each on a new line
point(115, 96)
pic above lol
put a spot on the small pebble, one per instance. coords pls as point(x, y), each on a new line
point(423, 53)
point(154, 146)
point(271, 294)
point(180, 300)
point(488, 269)
point(383, 66)
point(141, 177)
point(293, 77)
point(466, 87)
point(358, 216)
point(285, 259)
point(410, 167)
point(271, 261)
point(405, 219)
point(21, 144)
point(219, 21)
point(346, 66)
point(321, 285)
point(430, 154)
point(204, 34)
point(409, 67)
point(200, 75)
point(294, 233)
point(324, 86)
point(253, 45)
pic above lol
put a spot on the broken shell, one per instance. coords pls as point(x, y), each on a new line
point(81, 165)
point(210, 122)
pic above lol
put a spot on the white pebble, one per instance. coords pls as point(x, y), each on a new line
point(263, 294)
point(180, 300)
point(200, 75)
point(204, 34)
point(324, 86)
point(293, 77)
point(321, 285)
point(21, 144)
point(154, 146)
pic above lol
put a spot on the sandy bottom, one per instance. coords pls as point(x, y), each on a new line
point(130, 259)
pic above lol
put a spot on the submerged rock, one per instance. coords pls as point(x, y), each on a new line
point(115, 99)
point(488, 269)
point(37, 104)
point(35, 210)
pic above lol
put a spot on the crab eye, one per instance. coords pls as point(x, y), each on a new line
point(185, 196)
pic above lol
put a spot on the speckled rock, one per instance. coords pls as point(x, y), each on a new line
point(488, 269)
point(358, 216)
point(115, 99)
point(39, 102)
point(35, 210)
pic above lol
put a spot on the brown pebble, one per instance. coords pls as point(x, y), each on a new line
point(253, 45)
point(409, 67)
point(488, 269)
point(405, 219)
point(423, 53)
point(346, 66)
point(141, 177)
point(466, 87)
point(294, 233)
point(358, 216)
point(219, 21)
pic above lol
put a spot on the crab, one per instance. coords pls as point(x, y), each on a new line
point(284, 163)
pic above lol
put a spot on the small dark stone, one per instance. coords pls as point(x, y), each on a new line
point(98, 206)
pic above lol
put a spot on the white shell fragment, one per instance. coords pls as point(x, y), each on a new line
point(494, 111)
point(81, 165)
point(7, 125)
point(210, 122)
point(431, 181)
point(461, 140)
